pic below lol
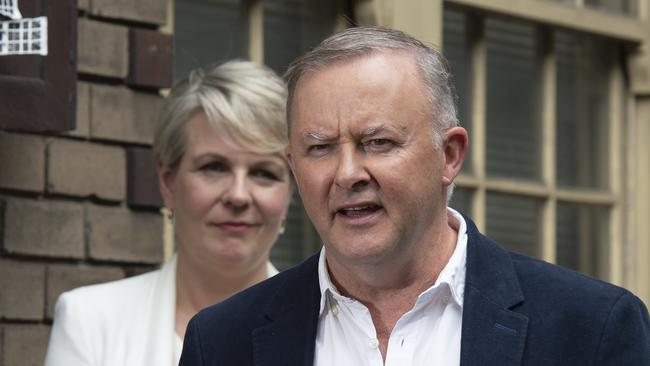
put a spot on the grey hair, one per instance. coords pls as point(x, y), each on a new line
point(362, 41)
point(243, 100)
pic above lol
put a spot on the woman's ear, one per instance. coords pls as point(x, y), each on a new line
point(165, 184)
point(455, 142)
point(287, 155)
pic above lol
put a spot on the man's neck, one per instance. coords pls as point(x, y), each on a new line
point(390, 288)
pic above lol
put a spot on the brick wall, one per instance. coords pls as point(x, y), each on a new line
point(82, 206)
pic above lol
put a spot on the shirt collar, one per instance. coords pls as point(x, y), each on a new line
point(453, 274)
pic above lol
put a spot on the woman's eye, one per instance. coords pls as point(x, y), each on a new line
point(215, 166)
point(265, 174)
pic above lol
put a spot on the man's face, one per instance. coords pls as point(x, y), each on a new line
point(362, 151)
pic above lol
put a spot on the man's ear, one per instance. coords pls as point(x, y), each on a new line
point(165, 181)
point(455, 143)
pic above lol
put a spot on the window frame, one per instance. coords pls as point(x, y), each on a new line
point(39, 92)
point(476, 179)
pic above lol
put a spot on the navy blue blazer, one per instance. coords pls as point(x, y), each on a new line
point(517, 311)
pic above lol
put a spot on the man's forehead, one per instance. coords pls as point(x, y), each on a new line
point(343, 64)
point(362, 96)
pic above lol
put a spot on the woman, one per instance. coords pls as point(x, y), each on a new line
point(222, 174)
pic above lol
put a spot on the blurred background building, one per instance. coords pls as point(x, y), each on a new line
point(555, 95)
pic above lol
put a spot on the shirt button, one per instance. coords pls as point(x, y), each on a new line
point(335, 310)
point(445, 300)
point(373, 343)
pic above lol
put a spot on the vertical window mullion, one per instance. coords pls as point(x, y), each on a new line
point(549, 90)
point(476, 34)
point(616, 97)
point(256, 31)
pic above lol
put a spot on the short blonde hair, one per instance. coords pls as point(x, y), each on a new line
point(244, 100)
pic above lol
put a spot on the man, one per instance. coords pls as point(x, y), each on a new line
point(402, 279)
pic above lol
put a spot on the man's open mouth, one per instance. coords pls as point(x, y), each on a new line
point(359, 211)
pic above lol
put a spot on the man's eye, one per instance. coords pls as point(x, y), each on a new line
point(318, 149)
point(265, 174)
point(378, 144)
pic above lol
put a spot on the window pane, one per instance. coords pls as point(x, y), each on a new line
point(208, 32)
point(456, 47)
point(461, 200)
point(513, 221)
point(513, 100)
point(582, 237)
point(583, 68)
point(627, 7)
point(299, 240)
point(291, 27)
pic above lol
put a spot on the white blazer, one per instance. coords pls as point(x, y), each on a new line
point(130, 322)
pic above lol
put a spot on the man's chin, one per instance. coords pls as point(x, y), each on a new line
point(359, 252)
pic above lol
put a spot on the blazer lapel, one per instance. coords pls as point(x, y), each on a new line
point(289, 337)
point(492, 333)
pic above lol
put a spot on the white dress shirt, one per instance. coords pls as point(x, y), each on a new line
point(428, 334)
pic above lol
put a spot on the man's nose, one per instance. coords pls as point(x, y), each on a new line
point(351, 173)
point(237, 193)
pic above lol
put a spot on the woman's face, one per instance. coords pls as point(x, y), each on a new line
point(229, 204)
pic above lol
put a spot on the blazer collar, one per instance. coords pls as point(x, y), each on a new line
point(292, 314)
point(492, 333)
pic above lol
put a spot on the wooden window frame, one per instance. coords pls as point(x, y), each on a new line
point(38, 93)
point(574, 16)
point(480, 184)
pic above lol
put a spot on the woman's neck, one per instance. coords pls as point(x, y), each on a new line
point(198, 287)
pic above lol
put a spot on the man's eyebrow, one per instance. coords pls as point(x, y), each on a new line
point(313, 135)
point(375, 130)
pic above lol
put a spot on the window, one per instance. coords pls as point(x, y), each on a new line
point(626, 7)
point(40, 90)
point(208, 32)
point(542, 106)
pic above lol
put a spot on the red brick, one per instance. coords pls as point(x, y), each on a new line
point(102, 48)
point(24, 344)
point(22, 158)
point(43, 227)
point(23, 290)
point(120, 114)
point(61, 278)
point(86, 169)
point(120, 234)
point(147, 11)
point(150, 58)
point(142, 180)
